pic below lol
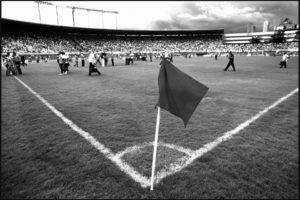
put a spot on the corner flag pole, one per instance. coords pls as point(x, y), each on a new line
point(155, 146)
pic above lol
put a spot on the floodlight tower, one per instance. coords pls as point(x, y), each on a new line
point(73, 11)
point(38, 4)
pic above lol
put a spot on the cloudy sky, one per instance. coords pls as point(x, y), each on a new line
point(152, 15)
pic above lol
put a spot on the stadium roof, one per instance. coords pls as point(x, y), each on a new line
point(8, 25)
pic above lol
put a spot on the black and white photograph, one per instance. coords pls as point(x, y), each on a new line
point(149, 99)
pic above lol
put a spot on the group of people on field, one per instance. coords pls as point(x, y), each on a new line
point(168, 56)
point(63, 62)
point(283, 61)
point(64, 59)
point(12, 62)
point(129, 58)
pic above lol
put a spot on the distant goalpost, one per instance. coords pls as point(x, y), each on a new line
point(76, 16)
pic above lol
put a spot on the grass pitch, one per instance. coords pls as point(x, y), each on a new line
point(41, 157)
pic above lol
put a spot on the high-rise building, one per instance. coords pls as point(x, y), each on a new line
point(250, 28)
point(266, 26)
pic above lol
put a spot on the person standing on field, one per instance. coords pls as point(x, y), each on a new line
point(23, 60)
point(76, 61)
point(131, 55)
point(98, 59)
point(102, 57)
point(9, 63)
point(17, 58)
point(112, 59)
point(60, 63)
point(82, 59)
point(150, 56)
point(92, 62)
point(231, 61)
point(283, 61)
point(171, 57)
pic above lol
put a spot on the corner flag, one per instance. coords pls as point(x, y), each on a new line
point(179, 93)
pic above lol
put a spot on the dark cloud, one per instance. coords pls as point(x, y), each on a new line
point(193, 10)
point(279, 10)
point(228, 25)
point(258, 11)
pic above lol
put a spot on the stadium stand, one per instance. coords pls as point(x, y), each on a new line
point(49, 39)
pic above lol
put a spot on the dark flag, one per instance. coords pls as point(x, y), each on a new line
point(178, 92)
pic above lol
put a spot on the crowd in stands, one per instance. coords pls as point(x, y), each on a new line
point(54, 43)
point(144, 44)
point(35, 43)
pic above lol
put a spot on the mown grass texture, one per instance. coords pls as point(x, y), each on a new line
point(43, 158)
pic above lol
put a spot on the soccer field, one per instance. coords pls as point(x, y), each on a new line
point(43, 157)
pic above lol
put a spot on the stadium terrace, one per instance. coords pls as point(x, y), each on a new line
point(50, 39)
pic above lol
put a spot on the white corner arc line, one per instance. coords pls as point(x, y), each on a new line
point(185, 161)
point(144, 181)
point(136, 148)
point(133, 149)
point(187, 151)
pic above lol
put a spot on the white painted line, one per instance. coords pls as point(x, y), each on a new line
point(144, 181)
point(187, 151)
point(185, 161)
point(173, 168)
point(133, 149)
point(137, 148)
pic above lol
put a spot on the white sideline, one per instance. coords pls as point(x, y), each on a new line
point(185, 161)
point(180, 164)
point(107, 152)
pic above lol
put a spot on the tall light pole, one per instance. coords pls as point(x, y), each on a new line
point(73, 10)
point(57, 15)
point(116, 21)
point(39, 11)
point(102, 20)
point(88, 17)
